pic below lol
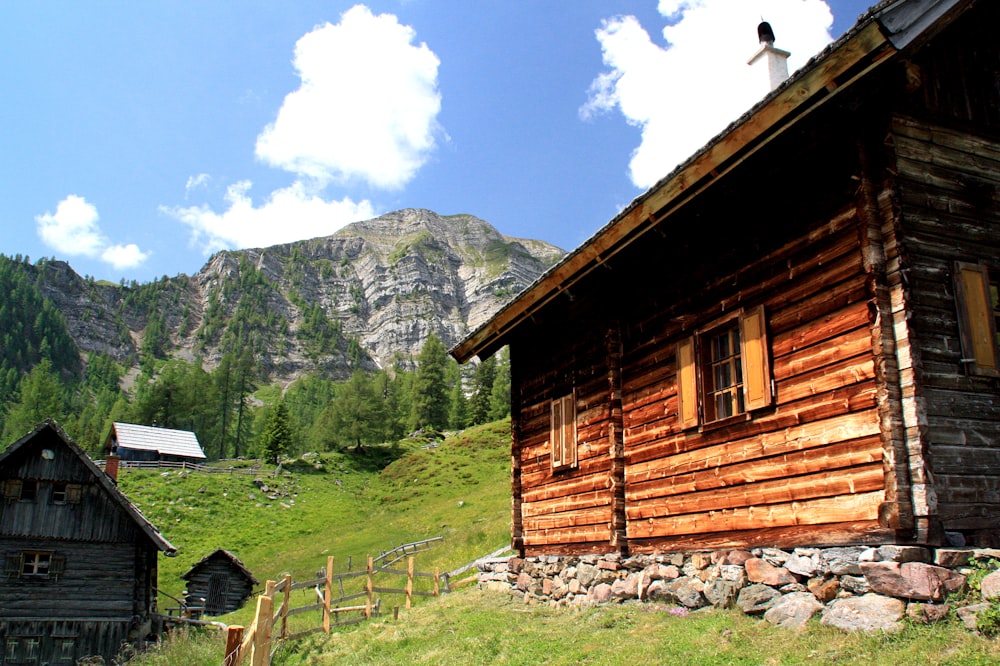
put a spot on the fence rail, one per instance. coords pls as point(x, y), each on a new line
point(256, 470)
point(258, 642)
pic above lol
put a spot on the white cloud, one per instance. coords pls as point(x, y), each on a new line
point(366, 107)
point(73, 230)
point(687, 90)
point(195, 182)
point(124, 256)
point(365, 112)
point(289, 214)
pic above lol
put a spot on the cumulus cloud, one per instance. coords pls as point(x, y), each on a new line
point(366, 107)
point(73, 230)
point(365, 113)
point(684, 91)
point(289, 214)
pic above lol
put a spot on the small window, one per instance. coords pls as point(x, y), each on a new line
point(978, 301)
point(65, 650)
point(22, 650)
point(723, 370)
point(29, 490)
point(563, 432)
point(59, 492)
point(35, 564)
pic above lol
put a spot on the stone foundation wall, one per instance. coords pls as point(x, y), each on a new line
point(864, 588)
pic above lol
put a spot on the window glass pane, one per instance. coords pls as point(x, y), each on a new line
point(58, 492)
point(722, 370)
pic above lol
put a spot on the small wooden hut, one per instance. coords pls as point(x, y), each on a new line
point(149, 443)
point(219, 583)
point(791, 339)
point(80, 559)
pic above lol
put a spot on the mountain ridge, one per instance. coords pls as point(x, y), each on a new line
point(365, 297)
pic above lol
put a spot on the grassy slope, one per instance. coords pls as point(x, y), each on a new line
point(348, 508)
point(460, 490)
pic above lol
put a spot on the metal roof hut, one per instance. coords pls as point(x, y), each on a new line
point(149, 443)
point(220, 583)
point(80, 559)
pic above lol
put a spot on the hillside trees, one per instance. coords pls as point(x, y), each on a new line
point(276, 433)
point(429, 407)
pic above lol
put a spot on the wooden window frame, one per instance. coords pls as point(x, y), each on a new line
point(65, 493)
point(27, 565)
point(977, 318)
point(562, 433)
point(16, 650)
point(755, 388)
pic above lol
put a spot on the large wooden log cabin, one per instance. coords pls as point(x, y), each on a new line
point(792, 338)
point(80, 559)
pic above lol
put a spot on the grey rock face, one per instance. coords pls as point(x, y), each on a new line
point(387, 283)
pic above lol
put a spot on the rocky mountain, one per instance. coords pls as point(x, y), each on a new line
point(367, 297)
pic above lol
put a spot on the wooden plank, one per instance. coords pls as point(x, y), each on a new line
point(593, 498)
point(807, 435)
point(600, 515)
point(851, 533)
point(848, 371)
point(578, 534)
point(809, 461)
point(775, 490)
point(838, 509)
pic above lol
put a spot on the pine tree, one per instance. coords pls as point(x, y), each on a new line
point(479, 408)
point(276, 434)
point(500, 395)
point(430, 392)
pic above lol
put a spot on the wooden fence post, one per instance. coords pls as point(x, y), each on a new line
point(437, 581)
point(260, 654)
point(285, 603)
point(409, 582)
point(328, 594)
point(234, 636)
point(369, 585)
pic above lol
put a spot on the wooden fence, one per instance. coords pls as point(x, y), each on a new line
point(270, 626)
point(189, 466)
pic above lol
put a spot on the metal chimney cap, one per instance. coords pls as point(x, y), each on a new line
point(764, 33)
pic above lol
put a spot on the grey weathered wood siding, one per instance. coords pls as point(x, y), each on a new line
point(948, 182)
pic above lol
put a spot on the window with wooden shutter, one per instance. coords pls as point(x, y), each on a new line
point(563, 432)
point(724, 370)
point(978, 310)
point(12, 489)
point(74, 491)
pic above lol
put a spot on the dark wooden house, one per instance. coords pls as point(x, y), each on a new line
point(219, 583)
point(792, 338)
point(142, 443)
point(80, 559)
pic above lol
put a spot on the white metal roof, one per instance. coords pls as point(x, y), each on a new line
point(163, 440)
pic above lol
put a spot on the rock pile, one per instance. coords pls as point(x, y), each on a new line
point(854, 588)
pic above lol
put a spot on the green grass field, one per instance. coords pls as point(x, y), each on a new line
point(351, 505)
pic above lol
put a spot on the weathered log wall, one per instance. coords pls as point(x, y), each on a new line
point(230, 597)
point(948, 182)
point(807, 470)
point(567, 509)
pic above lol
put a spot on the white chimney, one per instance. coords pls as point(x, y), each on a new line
point(772, 63)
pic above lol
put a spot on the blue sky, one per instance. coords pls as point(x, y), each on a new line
point(138, 137)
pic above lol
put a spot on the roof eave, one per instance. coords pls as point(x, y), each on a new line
point(857, 53)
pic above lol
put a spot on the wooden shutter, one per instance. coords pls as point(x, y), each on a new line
point(12, 566)
point(73, 493)
point(563, 431)
point(12, 489)
point(57, 565)
point(975, 319)
point(756, 369)
point(687, 384)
